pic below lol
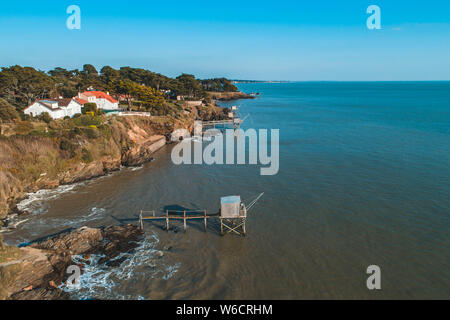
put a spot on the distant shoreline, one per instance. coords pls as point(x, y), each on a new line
point(325, 81)
point(260, 81)
point(229, 96)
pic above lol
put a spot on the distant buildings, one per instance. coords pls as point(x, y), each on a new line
point(60, 108)
point(181, 98)
point(196, 103)
point(56, 108)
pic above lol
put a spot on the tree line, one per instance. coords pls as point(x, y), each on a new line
point(21, 86)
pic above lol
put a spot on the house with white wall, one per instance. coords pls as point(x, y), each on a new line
point(56, 108)
point(103, 100)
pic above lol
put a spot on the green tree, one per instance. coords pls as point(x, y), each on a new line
point(89, 78)
point(25, 84)
point(66, 81)
point(109, 75)
point(218, 85)
point(60, 73)
point(190, 86)
point(45, 116)
point(90, 107)
point(149, 98)
point(127, 88)
point(89, 70)
point(67, 91)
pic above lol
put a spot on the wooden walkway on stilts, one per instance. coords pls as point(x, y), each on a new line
point(184, 215)
point(232, 215)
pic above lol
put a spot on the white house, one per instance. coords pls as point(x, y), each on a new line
point(103, 100)
point(56, 108)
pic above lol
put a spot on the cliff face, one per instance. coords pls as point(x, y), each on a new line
point(76, 150)
point(30, 163)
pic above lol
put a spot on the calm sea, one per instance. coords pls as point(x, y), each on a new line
point(364, 180)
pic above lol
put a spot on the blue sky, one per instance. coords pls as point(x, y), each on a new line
point(271, 40)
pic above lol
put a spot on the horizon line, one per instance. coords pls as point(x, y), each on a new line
point(287, 81)
point(234, 79)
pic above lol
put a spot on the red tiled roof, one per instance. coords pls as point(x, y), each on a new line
point(100, 94)
point(80, 101)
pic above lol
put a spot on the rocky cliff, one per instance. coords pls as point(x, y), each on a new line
point(30, 163)
point(37, 271)
point(68, 154)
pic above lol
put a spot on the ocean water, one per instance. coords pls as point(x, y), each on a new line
point(364, 179)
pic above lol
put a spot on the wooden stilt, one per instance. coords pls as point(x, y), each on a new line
point(141, 224)
point(233, 227)
point(184, 215)
point(167, 220)
point(205, 219)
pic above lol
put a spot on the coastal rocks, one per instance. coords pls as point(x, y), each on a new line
point(179, 134)
point(110, 165)
point(228, 96)
point(127, 232)
point(216, 113)
point(82, 172)
point(12, 221)
point(4, 209)
point(118, 239)
point(41, 294)
point(36, 271)
point(10, 190)
point(27, 271)
point(79, 241)
point(141, 153)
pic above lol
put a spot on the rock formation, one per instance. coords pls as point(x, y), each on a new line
point(36, 271)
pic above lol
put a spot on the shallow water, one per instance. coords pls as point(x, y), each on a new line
point(364, 179)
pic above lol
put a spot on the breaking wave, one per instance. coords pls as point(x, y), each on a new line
point(36, 202)
point(110, 280)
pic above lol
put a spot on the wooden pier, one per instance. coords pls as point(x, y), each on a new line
point(232, 215)
point(201, 126)
point(221, 122)
point(176, 215)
